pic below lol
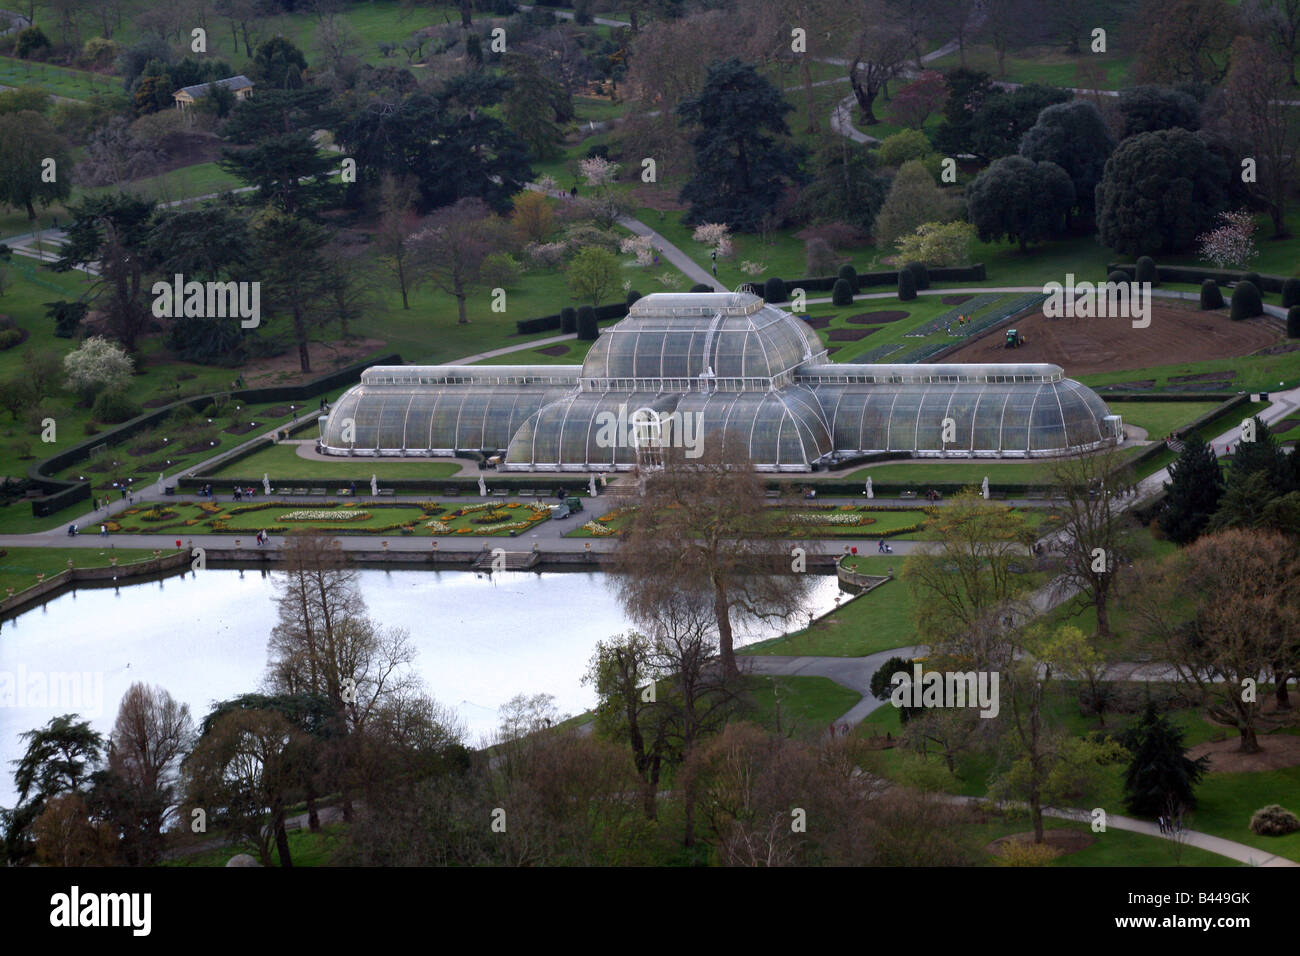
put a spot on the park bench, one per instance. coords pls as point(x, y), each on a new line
point(343, 492)
point(773, 493)
point(301, 491)
point(527, 493)
point(907, 494)
point(318, 491)
point(997, 496)
point(451, 491)
point(499, 493)
point(386, 492)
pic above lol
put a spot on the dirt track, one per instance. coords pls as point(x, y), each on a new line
point(1087, 346)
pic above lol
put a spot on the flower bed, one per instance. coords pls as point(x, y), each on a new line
point(598, 530)
point(320, 514)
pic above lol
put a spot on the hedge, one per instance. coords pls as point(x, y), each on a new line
point(1293, 322)
point(1246, 301)
point(774, 290)
point(587, 324)
point(906, 285)
point(1211, 297)
point(1290, 292)
point(1194, 275)
point(62, 493)
point(842, 292)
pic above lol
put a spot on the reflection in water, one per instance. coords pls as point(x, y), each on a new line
point(481, 639)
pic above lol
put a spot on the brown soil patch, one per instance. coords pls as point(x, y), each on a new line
point(1090, 346)
point(955, 299)
point(198, 446)
point(1285, 426)
point(283, 369)
point(818, 321)
point(1281, 349)
point(1204, 377)
point(242, 429)
point(877, 318)
point(555, 350)
point(850, 335)
point(1277, 751)
point(147, 448)
point(1060, 840)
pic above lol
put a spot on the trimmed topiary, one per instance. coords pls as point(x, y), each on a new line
point(1246, 301)
point(632, 296)
point(1274, 820)
point(1211, 297)
point(849, 275)
point(1146, 271)
point(920, 273)
point(842, 292)
point(774, 289)
point(1293, 322)
point(906, 285)
point(588, 328)
point(1251, 277)
point(568, 319)
point(1120, 276)
point(701, 287)
point(1290, 292)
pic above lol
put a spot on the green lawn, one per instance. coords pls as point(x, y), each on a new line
point(20, 566)
point(920, 473)
point(1161, 418)
point(305, 849)
point(803, 706)
point(283, 465)
point(58, 80)
point(1049, 65)
point(876, 621)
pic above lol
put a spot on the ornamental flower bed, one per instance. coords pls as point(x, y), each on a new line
point(320, 514)
point(598, 530)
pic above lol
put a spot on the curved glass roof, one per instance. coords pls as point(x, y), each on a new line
point(1008, 417)
point(431, 417)
point(735, 335)
point(720, 367)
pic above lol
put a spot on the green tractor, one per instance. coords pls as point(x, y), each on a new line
point(1014, 339)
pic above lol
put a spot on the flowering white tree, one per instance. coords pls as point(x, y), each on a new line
point(938, 244)
point(753, 268)
point(598, 171)
point(1232, 242)
point(97, 365)
point(641, 247)
point(547, 255)
point(716, 235)
point(547, 183)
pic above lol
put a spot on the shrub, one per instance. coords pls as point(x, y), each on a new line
point(701, 287)
point(31, 41)
point(588, 329)
point(1252, 278)
point(9, 338)
point(920, 273)
point(849, 275)
point(1211, 297)
point(1017, 853)
point(1290, 293)
point(568, 319)
point(1293, 322)
point(113, 406)
point(1246, 301)
point(632, 296)
point(906, 285)
point(1146, 271)
point(818, 256)
point(842, 292)
point(1273, 820)
point(774, 289)
point(1120, 276)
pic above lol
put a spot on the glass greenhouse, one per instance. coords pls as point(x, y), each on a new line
point(688, 369)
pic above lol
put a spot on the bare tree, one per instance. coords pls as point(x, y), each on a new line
point(702, 527)
point(153, 730)
point(1095, 536)
point(876, 52)
point(1224, 612)
point(1256, 114)
point(451, 245)
point(1278, 22)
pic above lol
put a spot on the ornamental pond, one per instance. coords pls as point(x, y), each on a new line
point(480, 639)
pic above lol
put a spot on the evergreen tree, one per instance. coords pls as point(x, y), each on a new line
point(742, 164)
point(1192, 493)
point(1159, 774)
point(534, 105)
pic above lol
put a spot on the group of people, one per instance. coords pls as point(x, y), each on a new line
point(1170, 824)
point(932, 496)
point(241, 493)
point(261, 538)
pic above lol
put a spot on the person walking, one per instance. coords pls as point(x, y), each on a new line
point(103, 531)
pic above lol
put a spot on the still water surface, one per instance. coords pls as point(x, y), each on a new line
point(481, 640)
